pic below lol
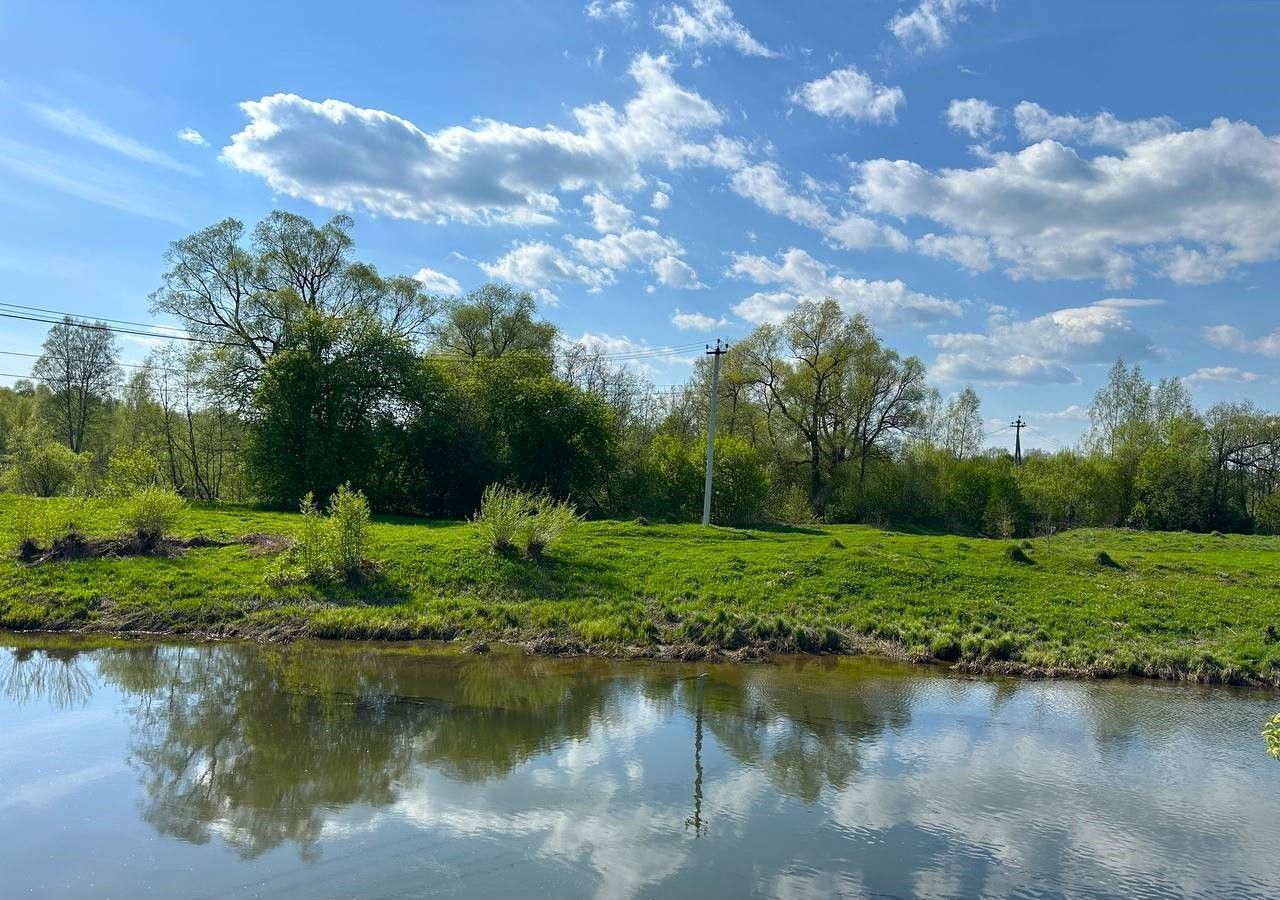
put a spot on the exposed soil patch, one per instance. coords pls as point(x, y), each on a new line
point(74, 545)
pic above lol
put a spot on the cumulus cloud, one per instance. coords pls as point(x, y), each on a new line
point(660, 200)
point(607, 214)
point(798, 276)
point(973, 254)
point(1047, 212)
point(437, 282)
point(540, 266)
point(1041, 350)
point(765, 185)
point(191, 136)
point(709, 23)
point(1035, 123)
point(1222, 375)
point(604, 9)
point(341, 156)
point(74, 123)
point(1229, 337)
point(850, 94)
point(672, 271)
point(928, 25)
point(976, 118)
point(696, 321)
point(594, 263)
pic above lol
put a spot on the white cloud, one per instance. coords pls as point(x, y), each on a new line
point(1222, 375)
point(595, 262)
point(191, 136)
point(344, 157)
point(696, 321)
point(74, 123)
point(764, 184)
point(709, 23)
point(976, 118)
point(607, 214)
point(1186, 265)
point(1035, 123)
point(1041, 350)
point(1229, 337)
point(973, 254)
point(540, 266)
point(1049, 213)
point(603, 9)
point(850, 94)
point(801, 277)
point(1073, 413)
point(672, 271)
point(437, 282)
point(661, 200)
point(928, 25)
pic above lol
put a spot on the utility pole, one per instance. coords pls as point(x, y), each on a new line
point(1017, 425)
point(715, 354)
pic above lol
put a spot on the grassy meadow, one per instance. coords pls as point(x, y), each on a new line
point(1102, 602)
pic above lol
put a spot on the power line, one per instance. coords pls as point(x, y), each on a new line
point(621, 356)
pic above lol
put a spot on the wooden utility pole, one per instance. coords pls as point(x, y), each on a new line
point(715, 354)
point(1017, 425)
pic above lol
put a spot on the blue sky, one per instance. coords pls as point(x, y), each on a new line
point(1016, 191)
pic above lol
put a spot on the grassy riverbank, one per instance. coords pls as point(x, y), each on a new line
point(1103, 602)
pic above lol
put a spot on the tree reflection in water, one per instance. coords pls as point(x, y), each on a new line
point(258, 745)
point(52, 675)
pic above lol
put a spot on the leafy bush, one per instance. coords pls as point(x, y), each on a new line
point(39, 465)
point(1267, 520)
point(795, 508)
point(740, 484)
point(1018, 555)
point(311, 552)
point(328, 545)
point(348, 530)
point(129, 470)
point(151, 513)
point(548, 522)
point(502, 517)
point(509, 518)
point(1271, 733)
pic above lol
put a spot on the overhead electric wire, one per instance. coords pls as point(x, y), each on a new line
point(637, 354)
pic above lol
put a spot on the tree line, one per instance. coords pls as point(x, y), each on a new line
point(300, 368)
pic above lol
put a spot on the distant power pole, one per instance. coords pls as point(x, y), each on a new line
point(1017, 425)
point(711, 427)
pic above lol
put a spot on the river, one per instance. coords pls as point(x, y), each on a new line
point(133, 769)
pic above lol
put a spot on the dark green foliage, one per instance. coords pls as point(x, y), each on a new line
point(1103, 558)
point(1018, 555)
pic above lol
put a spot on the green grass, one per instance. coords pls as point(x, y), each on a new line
point(1106, 602)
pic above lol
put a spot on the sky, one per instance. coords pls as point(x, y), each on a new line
point(1017, 191)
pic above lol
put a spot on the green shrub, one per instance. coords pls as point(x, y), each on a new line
point(336, 544)
point(1271, 733)
point(39, 465)
point(502, 517)
point(1267, 520)
point(1018, 555)
point(347, 530)
point(795, 508)
point(510, 518)
point(311, 552)
point(151, 513)
point(548, 521)
point(129, 470)
point(1103, 558)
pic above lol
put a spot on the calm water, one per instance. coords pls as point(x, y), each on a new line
point(232, 770)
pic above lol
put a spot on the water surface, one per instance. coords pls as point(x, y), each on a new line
point(143, 769)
